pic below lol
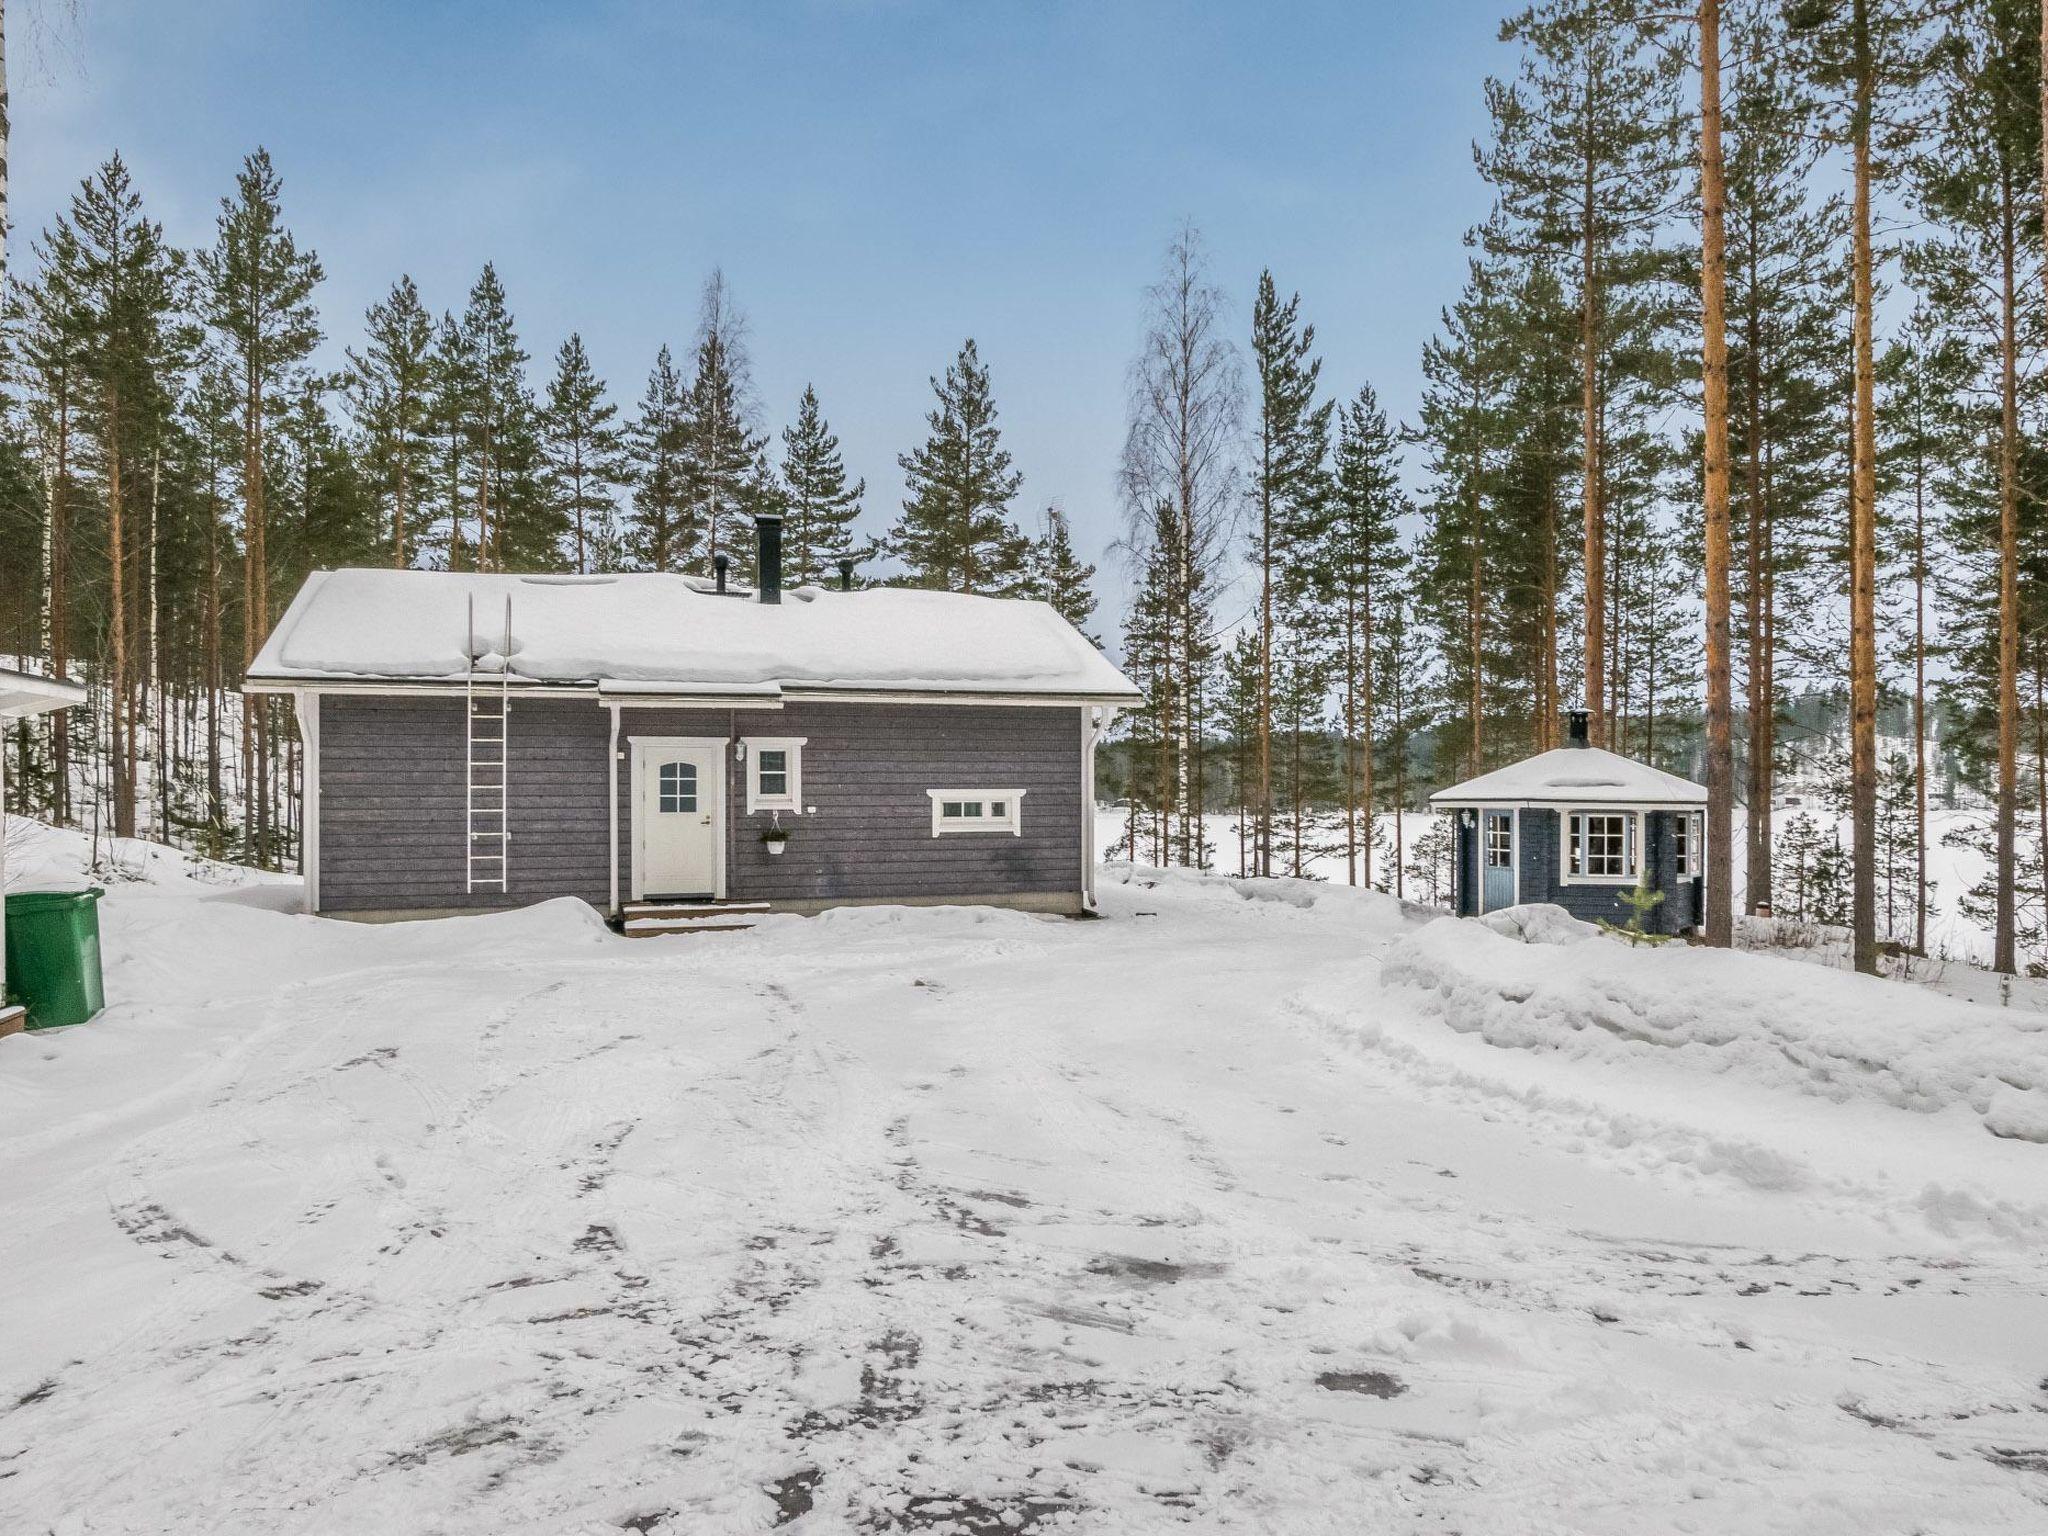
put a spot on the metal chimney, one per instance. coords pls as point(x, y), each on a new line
point(718, 564)
point(1578, 729)
point(846, 573)
point(768, 561)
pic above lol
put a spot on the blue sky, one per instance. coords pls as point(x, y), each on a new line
point(878, 180)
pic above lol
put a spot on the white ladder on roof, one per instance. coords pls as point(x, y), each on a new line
point(487, 750)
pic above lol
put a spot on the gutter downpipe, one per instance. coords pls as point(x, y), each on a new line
point(1095, 720)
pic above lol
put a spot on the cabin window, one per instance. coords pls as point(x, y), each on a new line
point(775, 773)
point(977, 810)
point(1686, 830)
point(1602, 846)
point(677, 783)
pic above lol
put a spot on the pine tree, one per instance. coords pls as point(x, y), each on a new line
point(955, 533)
point(724, 449)
point(584, 455)
point(823, 508)
point(496, 422)
point(1584, 158)
point(664, 528)
point(1058, 576)
point(256, 290)
point(390, 386)
point(1290, 491)
point(1401, 699)
point(1364, 560)
point(1975, 179)
point(123, 284)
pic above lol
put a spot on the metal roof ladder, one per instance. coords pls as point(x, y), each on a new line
point(487, 726)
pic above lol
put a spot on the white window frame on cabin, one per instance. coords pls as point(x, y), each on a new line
point(1631, 846)
point(792, 797)
point(1690, 831)
point(982, 820)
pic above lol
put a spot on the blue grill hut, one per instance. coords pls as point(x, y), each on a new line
point(1578, 827)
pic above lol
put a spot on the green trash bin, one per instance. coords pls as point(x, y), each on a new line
point(53, 955)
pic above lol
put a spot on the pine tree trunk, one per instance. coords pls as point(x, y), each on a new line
point(1920, 695)
point(1474, 612)
point(2004, 957)
point(1863, 533)
point(117, 626)
point(60, 580)
point(1761, 706)
point(1714, 378)
point(1589, 469)
point(1265, 834)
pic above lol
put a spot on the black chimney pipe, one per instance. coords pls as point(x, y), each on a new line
point(1578, 728)
point(845, 573)
point(718, 564)
point(768, 556)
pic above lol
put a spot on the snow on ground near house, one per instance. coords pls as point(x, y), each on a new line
point(1191, 1219)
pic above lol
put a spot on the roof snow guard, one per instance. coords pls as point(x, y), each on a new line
point(1575, 776)
point(659, 634)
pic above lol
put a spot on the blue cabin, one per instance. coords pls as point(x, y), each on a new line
point(1578, 827)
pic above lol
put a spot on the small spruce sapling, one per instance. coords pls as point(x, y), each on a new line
point(1641, 902)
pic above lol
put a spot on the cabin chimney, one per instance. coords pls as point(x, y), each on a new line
point(768, 561)
point(1578, 728)
point(846, 573)
point(718, 564)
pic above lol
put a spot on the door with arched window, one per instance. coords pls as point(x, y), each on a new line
point(678, 817)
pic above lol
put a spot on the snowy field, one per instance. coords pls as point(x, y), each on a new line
point(1275, 1208)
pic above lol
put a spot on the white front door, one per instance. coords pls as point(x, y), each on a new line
point(678, 817)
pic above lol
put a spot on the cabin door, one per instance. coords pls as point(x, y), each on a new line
point(1496, 860)
point(678, 817)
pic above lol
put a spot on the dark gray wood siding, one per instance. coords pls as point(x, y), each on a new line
point(1542, 854)
point(391, 801)
point(866, 768)
point(391, 804)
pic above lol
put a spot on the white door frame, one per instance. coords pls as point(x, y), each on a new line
point(1514, 816)
point(638, 747)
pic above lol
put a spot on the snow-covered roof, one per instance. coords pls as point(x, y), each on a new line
point(655, 633)
point(1575, 776)
point(23, 693)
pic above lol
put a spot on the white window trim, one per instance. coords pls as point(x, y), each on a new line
point(1632, 844)
point(793, 801)
point(1695, 824)
point(1012, 822)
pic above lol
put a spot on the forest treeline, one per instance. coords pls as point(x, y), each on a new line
point(1739, 402)
point(1739, 399)
point(173, 463)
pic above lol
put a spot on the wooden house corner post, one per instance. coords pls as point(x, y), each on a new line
point(611, 800)
point(306, 705)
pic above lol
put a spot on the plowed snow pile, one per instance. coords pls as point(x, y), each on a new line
point(1568, 988)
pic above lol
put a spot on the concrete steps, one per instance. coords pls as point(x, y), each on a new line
point(651, 919)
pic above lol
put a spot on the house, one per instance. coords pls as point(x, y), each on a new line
point(22, 694)
point(1579, 826)
point(477, 741)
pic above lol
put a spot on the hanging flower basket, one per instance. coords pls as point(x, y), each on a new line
point(775, 839)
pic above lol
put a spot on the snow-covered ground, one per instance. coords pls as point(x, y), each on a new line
point(1271, 1207)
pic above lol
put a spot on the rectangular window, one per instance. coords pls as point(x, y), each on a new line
point(977, 810)
point(1602, 845)
point(1687, 830)
point(775, 773)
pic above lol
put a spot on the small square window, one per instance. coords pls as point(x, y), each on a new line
point(775, 773)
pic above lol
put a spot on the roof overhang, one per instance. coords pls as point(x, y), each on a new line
point(23, 693)
point(682, 695)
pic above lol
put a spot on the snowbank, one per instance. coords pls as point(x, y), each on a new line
point(1536, 986)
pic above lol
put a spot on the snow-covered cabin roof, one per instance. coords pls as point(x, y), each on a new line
point(654, 633)
point(1574, 776)
point(24, 693)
